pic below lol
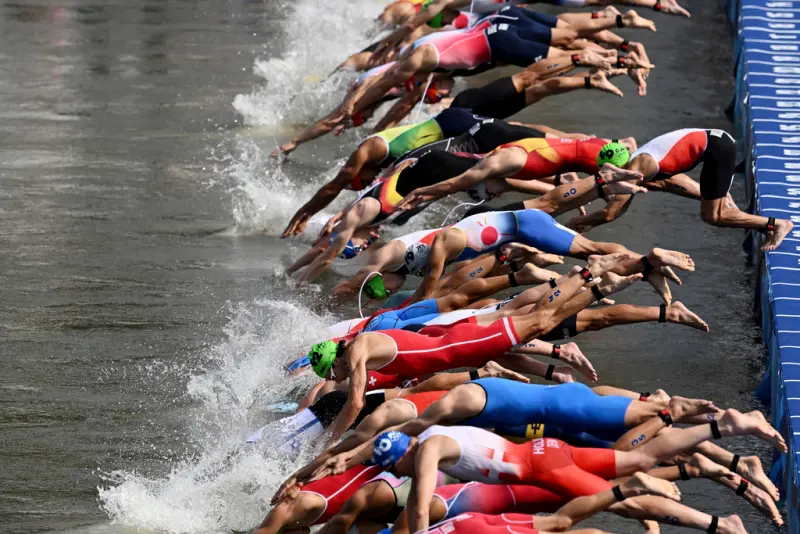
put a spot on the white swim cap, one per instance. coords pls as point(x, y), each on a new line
point(416, 260)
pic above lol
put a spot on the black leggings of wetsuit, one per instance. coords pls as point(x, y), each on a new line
point(498, 99)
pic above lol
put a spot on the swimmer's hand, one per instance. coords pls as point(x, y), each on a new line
point(284, 149)
point(674, 8)
point(295, 227)
point(412, 200)
point(335, 465)
point(288, 490)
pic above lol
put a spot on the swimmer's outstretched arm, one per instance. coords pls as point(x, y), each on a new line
point(393, 40)
point(399, 110)
point(500, 164)
point(328, 192)
point(351, 221)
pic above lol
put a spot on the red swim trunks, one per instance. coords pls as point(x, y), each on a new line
point(461, 345)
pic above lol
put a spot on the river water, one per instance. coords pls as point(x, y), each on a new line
point(143, 314)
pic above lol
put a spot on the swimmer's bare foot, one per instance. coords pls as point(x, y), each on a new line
point(631, 19)
point(599, 265)
point(520, 253)
point(629, 143)
point(701, 467)
point(495, 370)
point(608, 12)
point(599, 80)
point(642, 484)
point(571, 354)
point(659, 283)
point(731, 525)
point(672, 7)
point(562, 374)
point(603, 59)
point(652, 527)
point(613, 283)
point(660, 397)
point(639, 77)
point(775, 237)
point(285, 149)
point(660, 257)
point(634, 61)
point(735, 423)
point(762, 502)
point(611, 173)
point(682, 408)
point(530, 275)
point(623, 188)
point(750, 468)
point(680, 314)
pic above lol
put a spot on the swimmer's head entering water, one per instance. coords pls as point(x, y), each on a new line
point(389, 448)
point(614, 153)
point(416, 259)
point(322, 356)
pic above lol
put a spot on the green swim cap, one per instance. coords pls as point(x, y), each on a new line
point(613, 153)
point(375, 288)
point(322, 356)
point(436, 22)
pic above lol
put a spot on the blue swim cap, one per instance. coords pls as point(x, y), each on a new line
point(389, 447)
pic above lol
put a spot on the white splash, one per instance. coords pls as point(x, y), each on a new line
point(225, 485)
point(318, 38)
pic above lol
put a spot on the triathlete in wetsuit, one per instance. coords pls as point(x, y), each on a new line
point(462, 345)
point(521, 165)
point(379, 151)
point(510, 37)
point(669, 157)
point(375, 205)
point(469, 453)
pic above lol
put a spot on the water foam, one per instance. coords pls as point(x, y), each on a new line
point(264, 197)
point(224, 485)
point(318, 38)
